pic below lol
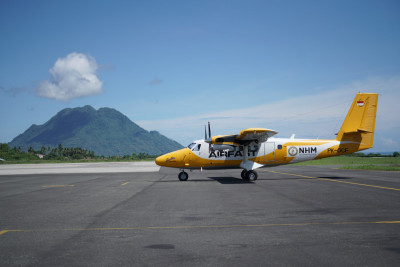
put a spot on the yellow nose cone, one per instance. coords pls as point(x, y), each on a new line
point(168, 160)
point(160, 161)
point(174, 159)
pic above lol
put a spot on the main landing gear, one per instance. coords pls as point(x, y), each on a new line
point(249, 175)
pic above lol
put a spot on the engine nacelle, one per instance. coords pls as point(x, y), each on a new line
point(223, 147)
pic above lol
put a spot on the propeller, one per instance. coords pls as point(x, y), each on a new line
point(208, 139)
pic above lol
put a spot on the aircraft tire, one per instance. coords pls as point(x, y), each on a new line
point(243, 174)
point(251, 175)
point(183, 176)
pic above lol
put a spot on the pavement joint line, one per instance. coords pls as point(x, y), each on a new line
point(55, 186)
point(325, 179)
point(199, 226)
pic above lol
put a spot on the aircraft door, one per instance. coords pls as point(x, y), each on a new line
point(269, 152)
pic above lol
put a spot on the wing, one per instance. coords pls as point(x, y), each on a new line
point(245, 137)
point(256, 134)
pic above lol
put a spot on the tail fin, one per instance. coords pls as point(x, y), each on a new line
point(359, 125)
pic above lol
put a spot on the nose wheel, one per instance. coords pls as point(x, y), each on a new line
point(183, 176)
point(249, 175)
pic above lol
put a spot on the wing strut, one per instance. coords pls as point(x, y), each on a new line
point(247, 164)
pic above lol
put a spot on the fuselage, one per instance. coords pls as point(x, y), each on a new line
point(275, 151)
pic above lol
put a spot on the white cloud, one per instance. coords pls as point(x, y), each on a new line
point(73, 76)
point(309, 116)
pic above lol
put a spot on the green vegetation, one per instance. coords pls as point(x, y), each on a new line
point(379, 155)
point(373, 167)
point(61, 154)
point(14, 154)
point(360, 161)
point(350, 160)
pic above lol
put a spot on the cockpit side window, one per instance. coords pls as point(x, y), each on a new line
point(197, 148)
point(191, 145)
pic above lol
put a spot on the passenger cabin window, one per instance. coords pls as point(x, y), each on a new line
point(279, 146)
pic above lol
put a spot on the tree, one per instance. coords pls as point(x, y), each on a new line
point(4, 147)
point(60, 150)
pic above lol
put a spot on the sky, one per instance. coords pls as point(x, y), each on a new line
point(172, 66)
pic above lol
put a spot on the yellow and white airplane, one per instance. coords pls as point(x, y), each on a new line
point(255, 147)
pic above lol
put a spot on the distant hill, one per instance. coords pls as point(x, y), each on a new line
point(105, 131)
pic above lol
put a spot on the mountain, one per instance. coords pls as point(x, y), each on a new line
point(105, 131)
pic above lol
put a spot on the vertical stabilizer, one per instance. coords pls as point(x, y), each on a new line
point(359, 125)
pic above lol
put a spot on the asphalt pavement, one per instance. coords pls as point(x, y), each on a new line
point(291, 216)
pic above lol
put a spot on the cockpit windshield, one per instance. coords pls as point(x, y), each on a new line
point(191, 145)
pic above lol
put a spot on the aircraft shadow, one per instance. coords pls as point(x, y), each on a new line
point(230, 180)
point(221, 180)
point(189, 180)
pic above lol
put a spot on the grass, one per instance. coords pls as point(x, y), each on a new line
point(348, 160)
point(358, 163)
point(372, 167)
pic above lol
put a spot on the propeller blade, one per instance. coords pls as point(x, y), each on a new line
point(208, 140)
point(205, 132)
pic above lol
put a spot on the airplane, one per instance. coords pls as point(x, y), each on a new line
point(255, 148)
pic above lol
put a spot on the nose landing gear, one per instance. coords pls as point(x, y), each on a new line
point(249, 175)
point(183, 176)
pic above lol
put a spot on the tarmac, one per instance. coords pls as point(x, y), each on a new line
point(103, 215)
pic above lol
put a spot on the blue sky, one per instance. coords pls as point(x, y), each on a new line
point(173, 65)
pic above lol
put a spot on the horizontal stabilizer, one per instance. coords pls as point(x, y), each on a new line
point(358, 131)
